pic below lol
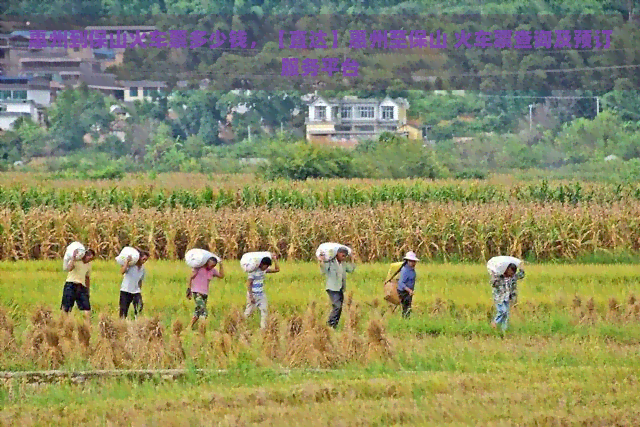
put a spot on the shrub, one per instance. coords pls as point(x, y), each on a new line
point(302, 161)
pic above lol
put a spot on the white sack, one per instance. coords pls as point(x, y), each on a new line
point(196, 258)
point(68, 254)
point(330, 250)
point(251, 260)
point(498, 265)
point(126, 252)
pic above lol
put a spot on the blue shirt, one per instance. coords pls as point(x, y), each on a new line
point(407, 278)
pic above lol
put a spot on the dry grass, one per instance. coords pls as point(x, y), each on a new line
point(378, 346)
point(176, 351)
point(42, 340)
point(7, 339)
point(352, 344)
point(109, 351)
point(149, 348)
point(313, 345)
point(294, 341)
point(271, 343)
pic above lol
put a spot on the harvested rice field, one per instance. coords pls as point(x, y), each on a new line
point(570, 356)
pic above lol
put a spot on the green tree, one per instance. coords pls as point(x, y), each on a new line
point(197, 112)
point(208, 132)
point(194, 147)
point(33, 138)
point(585, 139)
point(163, 152)
point(75, 113)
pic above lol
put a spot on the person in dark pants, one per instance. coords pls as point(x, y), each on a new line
point(336, 271)
point(131, 287)
point(76, 288)
point(407, 282)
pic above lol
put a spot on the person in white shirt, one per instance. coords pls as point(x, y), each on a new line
point(131, 287)
point(256, 297)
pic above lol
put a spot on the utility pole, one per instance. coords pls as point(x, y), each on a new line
point(530, 116)
point(249, 131)
point(281, 129)
point(597, 105)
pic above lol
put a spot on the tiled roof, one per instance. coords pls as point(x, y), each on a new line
point(102, 80)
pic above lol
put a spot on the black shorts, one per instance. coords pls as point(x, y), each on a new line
point(126, 299)
point(75, 293)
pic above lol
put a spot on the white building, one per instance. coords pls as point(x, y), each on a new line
point(10, 111)
point(350, 119)
point(141, 90)
point(24, 88)
point(22, 96)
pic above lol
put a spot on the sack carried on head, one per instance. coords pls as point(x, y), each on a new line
point(68, 254)
point(496, 266)
point(251, 260)
point(126, 252)
point(329, 250)
point(196, 258)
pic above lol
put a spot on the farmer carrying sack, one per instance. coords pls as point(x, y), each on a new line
point(329, 250)
point(496, 266)
point(68, 254)
point(251, 260)
point(127, 252)
point(196, 258)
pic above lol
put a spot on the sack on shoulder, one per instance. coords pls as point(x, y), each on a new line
point(391, 292)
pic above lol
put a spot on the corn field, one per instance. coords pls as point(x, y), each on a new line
point(313, 195)
point(437, 231)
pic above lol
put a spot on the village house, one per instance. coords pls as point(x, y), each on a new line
point(349, 120)
point(140, 90)
point(111, 55)
point(12, 110)
point(22, 96)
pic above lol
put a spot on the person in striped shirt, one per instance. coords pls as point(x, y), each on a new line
point(256, 297)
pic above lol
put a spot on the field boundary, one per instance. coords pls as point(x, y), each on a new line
point(79, 376)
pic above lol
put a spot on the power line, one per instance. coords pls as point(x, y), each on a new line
point(552, 70)
point(541, 96)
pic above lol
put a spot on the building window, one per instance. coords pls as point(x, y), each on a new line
point(366, 112)
point(133, 91)
point(150, 91)
point(5, 94)
point(19, 94)
point(364, 128)
point(321, 113)
point(345, 112)
point(387, 113)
